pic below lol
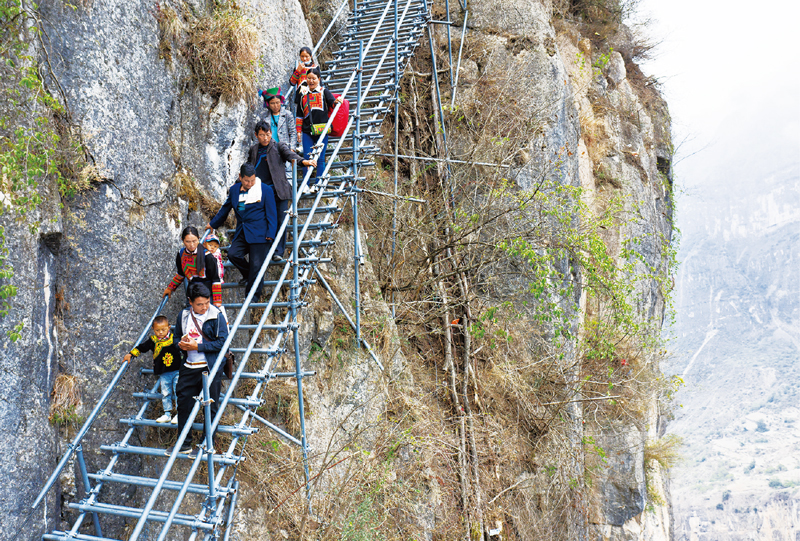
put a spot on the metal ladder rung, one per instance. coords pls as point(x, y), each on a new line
point(374, 99)
point(381, 38)
point(134, 512)
point(364, 150)
point(373, 110)
point(385, 33)
point(368, 67)
point(305, 211)
point(348, 163)
point(314, 244)
point(149, 451)
point(366, 19)
point(256, 375)
point(229, 265)
point(261, 351)
point(256, 305)
point(270, 283)
point(259, 305)
point(328, 193)
point(405, 30)
point(58, 535)
point(344, 80)
point(149, 482)
point(240, 401)
point(265, 328)
point(349, 69)
point(222, 429)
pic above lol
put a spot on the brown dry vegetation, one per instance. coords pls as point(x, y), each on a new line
point(66, 398)
point(222, 50)
point(221, 47)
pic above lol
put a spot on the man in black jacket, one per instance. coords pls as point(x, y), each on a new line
point(268, 157)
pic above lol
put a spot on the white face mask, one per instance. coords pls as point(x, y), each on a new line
point(308, 64)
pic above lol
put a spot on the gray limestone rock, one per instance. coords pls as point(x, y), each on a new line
point(616, 68)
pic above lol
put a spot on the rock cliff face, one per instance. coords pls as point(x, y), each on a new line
point(166, 152)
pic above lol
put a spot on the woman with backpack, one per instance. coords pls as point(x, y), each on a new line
point(196, 265)
point(313, 105)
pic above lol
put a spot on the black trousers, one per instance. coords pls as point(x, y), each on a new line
point(282, 205)
point(190, 384)
point(256, 252)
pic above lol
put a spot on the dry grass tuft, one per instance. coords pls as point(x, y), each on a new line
point(666, 451)
point(222, 50)
point(66, 397)
point(186, 188)
point(170, 28)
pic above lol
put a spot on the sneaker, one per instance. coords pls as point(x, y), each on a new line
point(167, 417)
point(213, 450)
point(174, 420)
point(277, 258)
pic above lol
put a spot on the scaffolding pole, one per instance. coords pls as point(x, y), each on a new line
point(396, 150)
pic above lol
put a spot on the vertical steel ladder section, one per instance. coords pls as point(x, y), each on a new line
point(362, 72)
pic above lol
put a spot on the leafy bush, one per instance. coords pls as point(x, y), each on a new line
point(37, 142)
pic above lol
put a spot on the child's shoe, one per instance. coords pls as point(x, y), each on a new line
point(174, 420)
point(164, 418)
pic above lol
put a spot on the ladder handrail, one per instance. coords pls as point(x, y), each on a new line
point(95, 412)
point(100, 403)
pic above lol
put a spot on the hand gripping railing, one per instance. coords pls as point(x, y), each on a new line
point(293, 262)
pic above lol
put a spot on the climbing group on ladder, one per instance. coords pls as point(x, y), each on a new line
point(268, 200)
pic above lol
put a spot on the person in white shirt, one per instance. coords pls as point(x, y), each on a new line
point(202, 329)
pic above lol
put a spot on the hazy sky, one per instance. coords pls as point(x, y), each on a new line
point(717, 59)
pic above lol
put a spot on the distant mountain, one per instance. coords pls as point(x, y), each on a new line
point(737, 335)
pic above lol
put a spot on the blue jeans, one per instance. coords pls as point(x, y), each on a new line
point(169, 384)
point(308, 142)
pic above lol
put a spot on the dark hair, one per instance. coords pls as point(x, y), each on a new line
point(247, 170)
point(262, 125)
point(189, 230)
point(314, 70)
point(307, 50)
point(198, 290)
point(160, 319)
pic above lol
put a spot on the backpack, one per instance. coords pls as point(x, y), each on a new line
point(340, 122)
